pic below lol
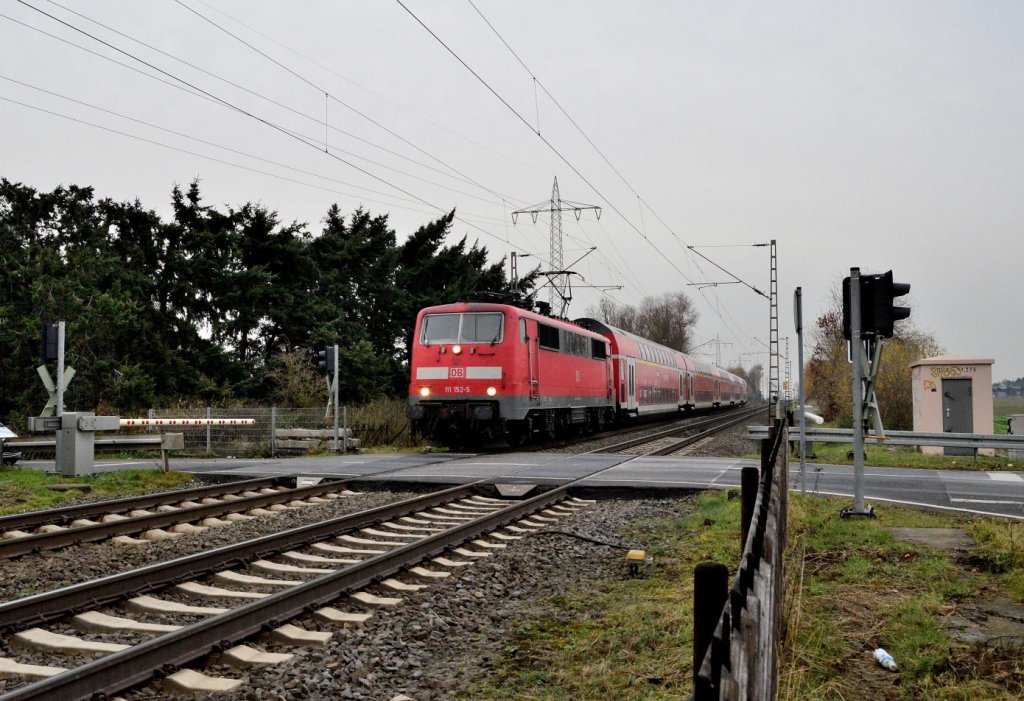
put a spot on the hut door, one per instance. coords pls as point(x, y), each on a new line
point(957, 411)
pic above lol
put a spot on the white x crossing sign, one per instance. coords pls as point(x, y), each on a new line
point(51, 387)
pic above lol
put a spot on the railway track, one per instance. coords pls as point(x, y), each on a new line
point(259, 585)
point(637, 431)
point(669, 441)
point(157, 516)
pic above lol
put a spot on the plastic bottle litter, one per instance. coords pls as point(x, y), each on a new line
point(885, 660)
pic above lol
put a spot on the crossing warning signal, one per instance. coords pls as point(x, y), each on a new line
point(878, 313)
point(325, 360)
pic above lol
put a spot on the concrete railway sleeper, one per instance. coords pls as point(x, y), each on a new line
point(64, 515)
point(170, 518)
point(420, 539)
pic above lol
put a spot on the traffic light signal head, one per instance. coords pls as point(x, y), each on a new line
point(865, 307)
point(325, 360)
point(877, 313)
point(49, 350)
point(885, 312)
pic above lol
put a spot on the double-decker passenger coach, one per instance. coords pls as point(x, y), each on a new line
point(493, 371)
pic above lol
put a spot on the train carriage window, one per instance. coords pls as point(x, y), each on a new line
point(522, 331)
point(598, 349)
point(548, 337)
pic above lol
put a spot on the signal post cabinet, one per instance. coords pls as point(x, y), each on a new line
point(952, 394)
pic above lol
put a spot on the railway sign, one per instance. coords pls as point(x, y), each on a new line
point(51, 387)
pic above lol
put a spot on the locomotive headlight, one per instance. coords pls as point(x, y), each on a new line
point(424, 391)
point(456, 349)
point(491, 391)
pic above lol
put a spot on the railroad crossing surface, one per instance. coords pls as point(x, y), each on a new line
point(995, 493)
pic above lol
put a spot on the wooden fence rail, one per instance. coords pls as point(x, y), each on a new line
point(739, 660)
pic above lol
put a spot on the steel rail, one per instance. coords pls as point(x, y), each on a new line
point(66, 514)
point(648, 422)
point(37, 542)
point(700, 435)
point(139, 663)
point(73, 599)
point(668, 433)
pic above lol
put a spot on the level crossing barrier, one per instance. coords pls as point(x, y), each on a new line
point(271, 432)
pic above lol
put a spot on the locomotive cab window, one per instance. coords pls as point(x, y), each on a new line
point(481, 328)
point(471, 327)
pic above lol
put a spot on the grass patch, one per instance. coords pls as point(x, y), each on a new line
point(23, 489)
point(907, 456)
point(1003, 409)
point(853, 587)
point(632, 638)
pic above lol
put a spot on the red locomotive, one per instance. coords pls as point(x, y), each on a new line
point(482, 371)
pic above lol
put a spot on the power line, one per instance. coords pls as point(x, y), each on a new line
point(261, 96)
point(199, 140)
point(550, 146)
point(199, 155)
point(107, 58)
point(238, 38)
point(251, 115)
point(340, 102)
point(739, 280)
point(214, 101)
point(572, 121)
point(354, 83)
point(537, 82)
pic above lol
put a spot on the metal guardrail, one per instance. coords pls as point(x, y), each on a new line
point(740, 659)
point(980, 441)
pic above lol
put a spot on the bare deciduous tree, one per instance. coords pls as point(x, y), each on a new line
point(667, 319)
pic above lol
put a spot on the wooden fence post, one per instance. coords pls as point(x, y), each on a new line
point(710, 591)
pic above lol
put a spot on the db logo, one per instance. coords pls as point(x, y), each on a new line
point(458, 372)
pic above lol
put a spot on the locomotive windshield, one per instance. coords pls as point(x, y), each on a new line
point(471, 327)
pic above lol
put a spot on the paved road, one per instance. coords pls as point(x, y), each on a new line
point(994, 493)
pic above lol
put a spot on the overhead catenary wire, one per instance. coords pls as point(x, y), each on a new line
point(200, 155)
point(329, 96)
point(368, 91)
point(575, 124)
point(217, 102)
point(527, 123)
point(253, 116)
point(740, 280)
point(448, 172)
point(554, 150)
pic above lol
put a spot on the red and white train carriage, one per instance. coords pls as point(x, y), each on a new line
point(484, 371)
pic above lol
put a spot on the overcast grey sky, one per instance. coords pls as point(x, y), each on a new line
point(873, 134)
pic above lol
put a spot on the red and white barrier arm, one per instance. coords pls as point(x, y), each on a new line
point(132, 423)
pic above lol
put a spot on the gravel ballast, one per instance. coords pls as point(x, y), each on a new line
point(443, 639)
point(438, 643)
